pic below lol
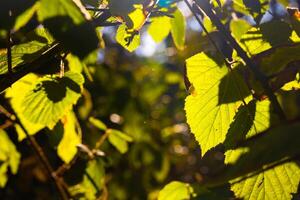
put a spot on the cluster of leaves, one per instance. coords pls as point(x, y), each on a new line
point(51, 80)
point(228, 108)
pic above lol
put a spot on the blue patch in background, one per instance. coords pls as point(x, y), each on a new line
point(165, 3)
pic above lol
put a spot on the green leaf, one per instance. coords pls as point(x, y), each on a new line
point(258, 153)
point(255, 166)
point(9, 158)
point(16, 94)
point(97, 123)
point(51, 97)
point(119, 140)
point(213, 103)
point(67, 23)
point(21, 54)
point(93, 181)
point(159, 28)
point(67, 147)
point(276, 59)
point(251, 119)
point(96, 172)
point(239, 27)
point(24, 18)
point(176, 191)
point(253, 42)
point(129, 40)
point(277, 183)
point(178, 29)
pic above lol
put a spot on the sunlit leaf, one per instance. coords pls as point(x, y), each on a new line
point(239, 27)
point(251, 119)
point(22, 53)
point(176, 191)
point(67, 147)
point(119, 140)
point(9, 158)
point(129, 40)
point(97, 123)
point(213, 103)
point(160, 28)
point(178, 29)
point(24, 18)
point(51, 97)
point(272, 146)
point(16, 100)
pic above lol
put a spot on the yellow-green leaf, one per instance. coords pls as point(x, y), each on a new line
point(178, 29)
point(160, 28)
point(16, 94)
point(67, 148)
point(129, 40)
point(51, 97)
point(119, 140)
point(213, 103)
point(176, 191)
point(9, 158)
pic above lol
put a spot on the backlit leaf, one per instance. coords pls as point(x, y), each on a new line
point(176, 191)
point(16, 100)
point(178, 29)
point(159, 28)
point(119, 140)
point(51, 97)
point(129, 40)
point(217, 95)
point(9, 158)
point(67, 148)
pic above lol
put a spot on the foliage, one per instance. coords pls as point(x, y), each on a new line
point(106, 121)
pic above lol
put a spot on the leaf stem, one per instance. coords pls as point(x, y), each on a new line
point(208, 10)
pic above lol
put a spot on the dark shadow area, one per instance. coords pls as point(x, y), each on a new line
point(56, 89)
point(242, 123)
point(215, 193)
point(232, 87)
point(79, 39)
point(16, 7)
point(270, 148)
point(281, 36)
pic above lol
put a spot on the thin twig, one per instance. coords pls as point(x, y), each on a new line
point(8, 54)
point(208, 10)
point(192, 9)
point(102, 139)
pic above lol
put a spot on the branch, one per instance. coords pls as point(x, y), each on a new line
point(208, 10)
point(6, 80)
